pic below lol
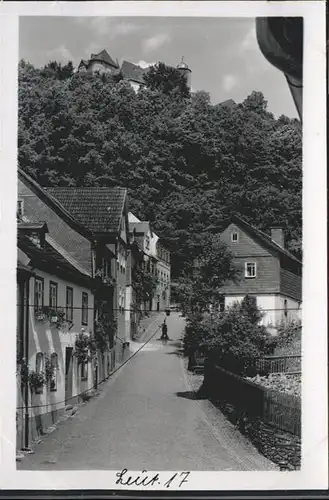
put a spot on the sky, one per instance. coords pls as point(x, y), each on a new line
point(222, 53)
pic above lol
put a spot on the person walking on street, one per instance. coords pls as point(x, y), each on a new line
point(164, 335)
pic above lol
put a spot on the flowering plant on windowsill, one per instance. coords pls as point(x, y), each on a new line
point(36, 381)
point(84, 347)
point(105, 280)
point(52, 315)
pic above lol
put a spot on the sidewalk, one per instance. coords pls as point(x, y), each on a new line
point(149, 324)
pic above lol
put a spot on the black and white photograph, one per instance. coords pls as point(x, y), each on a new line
point(163, 292)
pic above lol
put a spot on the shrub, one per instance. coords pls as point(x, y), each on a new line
point(288, 333)
point(232, 339)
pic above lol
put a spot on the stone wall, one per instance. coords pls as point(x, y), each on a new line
point(282, 448)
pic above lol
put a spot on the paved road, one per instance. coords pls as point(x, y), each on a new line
point(145, 418)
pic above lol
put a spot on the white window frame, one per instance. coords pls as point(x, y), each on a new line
point(39, 293)
point(84, 308)
point(248, 276)
point(69, 305)
point(53, 294)
point(237, 236)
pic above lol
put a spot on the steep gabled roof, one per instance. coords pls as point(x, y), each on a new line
point(229, 103)
point(54, 204)
point(133, 72)
point(103, 56)
point(97, 208)
point(83, 62)
point(262, 237)
point(49, 259)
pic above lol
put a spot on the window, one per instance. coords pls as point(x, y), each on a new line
point(69, 304)
point(147, 243)
point(54, 367)
point(53, 295)
point(39, 368)
point(234, 236)
point(38, 294)
point(84, 370)
point(222, 303)
point(84, 308)
point(250, 270)
point(20, 209)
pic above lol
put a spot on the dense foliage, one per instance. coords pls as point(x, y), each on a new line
point(210, 266)
point(232, 339)
point(144, 285)
point(187, 164)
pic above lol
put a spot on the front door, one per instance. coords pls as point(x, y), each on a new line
point(68, 372)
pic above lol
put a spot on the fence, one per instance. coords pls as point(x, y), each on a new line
point(278, 409)
point(279, 364)
point(282, 411)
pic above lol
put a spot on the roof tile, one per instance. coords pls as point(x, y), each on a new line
point(97, 208)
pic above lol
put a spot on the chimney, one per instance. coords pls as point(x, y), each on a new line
point(277, 235)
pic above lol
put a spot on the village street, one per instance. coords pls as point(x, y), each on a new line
point(145, 417)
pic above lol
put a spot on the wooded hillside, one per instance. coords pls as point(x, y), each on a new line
point(187, 164)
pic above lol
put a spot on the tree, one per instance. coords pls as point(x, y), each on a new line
point(206, 272)
point(186, 163)
point(144, 285)
point(232, 339)
point(57, 70)
point(166, 79)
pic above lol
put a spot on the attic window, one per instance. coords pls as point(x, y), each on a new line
point(235, 236)
point(20, 209)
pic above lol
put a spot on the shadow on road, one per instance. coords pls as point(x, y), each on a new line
point(177, 352)
point(189, 395)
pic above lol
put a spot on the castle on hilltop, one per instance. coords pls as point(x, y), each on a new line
point(131, 72)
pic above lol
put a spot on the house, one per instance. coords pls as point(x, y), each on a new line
point(55, 304)
point(131, 72)
point(269, 272)
point(103, 212)
point(136, 261)
point(156, 261)
point(79, 246)
point(101, 62)
point(24, 273)
point(163, 271)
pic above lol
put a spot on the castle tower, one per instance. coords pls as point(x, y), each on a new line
point(185, 70)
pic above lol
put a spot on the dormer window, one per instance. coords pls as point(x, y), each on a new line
point(234, 236)
point(35, 239)
point(20, 209)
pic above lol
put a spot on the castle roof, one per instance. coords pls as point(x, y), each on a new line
point(84, 62)
point(183, 65)
point(132, 71)
point(104, 56)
